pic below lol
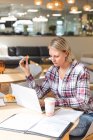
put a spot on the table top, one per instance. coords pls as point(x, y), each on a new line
point(8, 110)
point(14, 77)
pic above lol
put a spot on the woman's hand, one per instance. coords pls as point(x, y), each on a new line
point(24, 65)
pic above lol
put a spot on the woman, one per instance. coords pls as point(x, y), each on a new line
point(68, 80)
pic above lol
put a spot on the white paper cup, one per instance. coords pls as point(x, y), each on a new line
point(49, 106)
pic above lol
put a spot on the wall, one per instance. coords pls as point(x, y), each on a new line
point(79, 45)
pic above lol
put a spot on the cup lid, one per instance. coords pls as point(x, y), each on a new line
point(49, 99)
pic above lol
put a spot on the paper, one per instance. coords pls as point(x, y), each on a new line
point(51, 126)
point(27, 123)
point(2, 102)
point(68, 114)
point(54, 126)
point(20, 122)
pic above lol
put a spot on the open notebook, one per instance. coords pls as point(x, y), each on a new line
point(26, 97)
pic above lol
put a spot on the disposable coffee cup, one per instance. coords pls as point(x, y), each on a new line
point(49, 106)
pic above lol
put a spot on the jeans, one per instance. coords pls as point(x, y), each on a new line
point(83, 125)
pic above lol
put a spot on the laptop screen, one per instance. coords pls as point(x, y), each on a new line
point(26, 97)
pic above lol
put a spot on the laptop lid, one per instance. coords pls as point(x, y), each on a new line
point(26, 97)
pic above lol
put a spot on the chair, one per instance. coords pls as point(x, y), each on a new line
point(2, 67)
point(35, 70)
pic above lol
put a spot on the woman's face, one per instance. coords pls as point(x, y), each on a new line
point(57, 57)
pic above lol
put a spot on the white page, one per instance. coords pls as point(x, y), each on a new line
point(68, 114)
point(21, 121)
point(50, 126)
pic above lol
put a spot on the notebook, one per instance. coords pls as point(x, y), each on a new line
point(36, 124)
point(26, 97)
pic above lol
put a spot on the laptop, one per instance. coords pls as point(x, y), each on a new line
point(26, 97)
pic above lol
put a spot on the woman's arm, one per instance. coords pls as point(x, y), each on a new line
point(41, 90)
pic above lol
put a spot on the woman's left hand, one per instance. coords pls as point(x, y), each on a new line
point(24, 65)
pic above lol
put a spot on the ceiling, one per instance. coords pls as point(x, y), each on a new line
point(13, 7)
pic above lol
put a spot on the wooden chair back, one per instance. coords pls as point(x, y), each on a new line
point(2, 67)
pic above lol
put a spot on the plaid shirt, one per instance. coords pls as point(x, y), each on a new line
point(75, 91)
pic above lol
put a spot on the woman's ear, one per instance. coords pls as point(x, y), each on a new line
point(66, 55)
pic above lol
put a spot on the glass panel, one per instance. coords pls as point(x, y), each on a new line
point(42, 22)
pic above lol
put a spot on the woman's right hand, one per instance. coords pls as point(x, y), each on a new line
point(24, 65)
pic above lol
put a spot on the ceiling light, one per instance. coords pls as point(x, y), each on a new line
point(48, 15)
point(70, 1)
point(9, 18)
point(38, 2)
point(90, 10)
point(74, 9)
point(21, 14)
point(32, 10)
point(49, 5)
point(75, 12)
point(87, 7)
point(56, 15)
point(40, 19)
point(55, 5)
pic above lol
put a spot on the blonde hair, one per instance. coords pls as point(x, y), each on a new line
point(61, 44)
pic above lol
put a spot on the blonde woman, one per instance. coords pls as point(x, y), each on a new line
point(67, 79)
